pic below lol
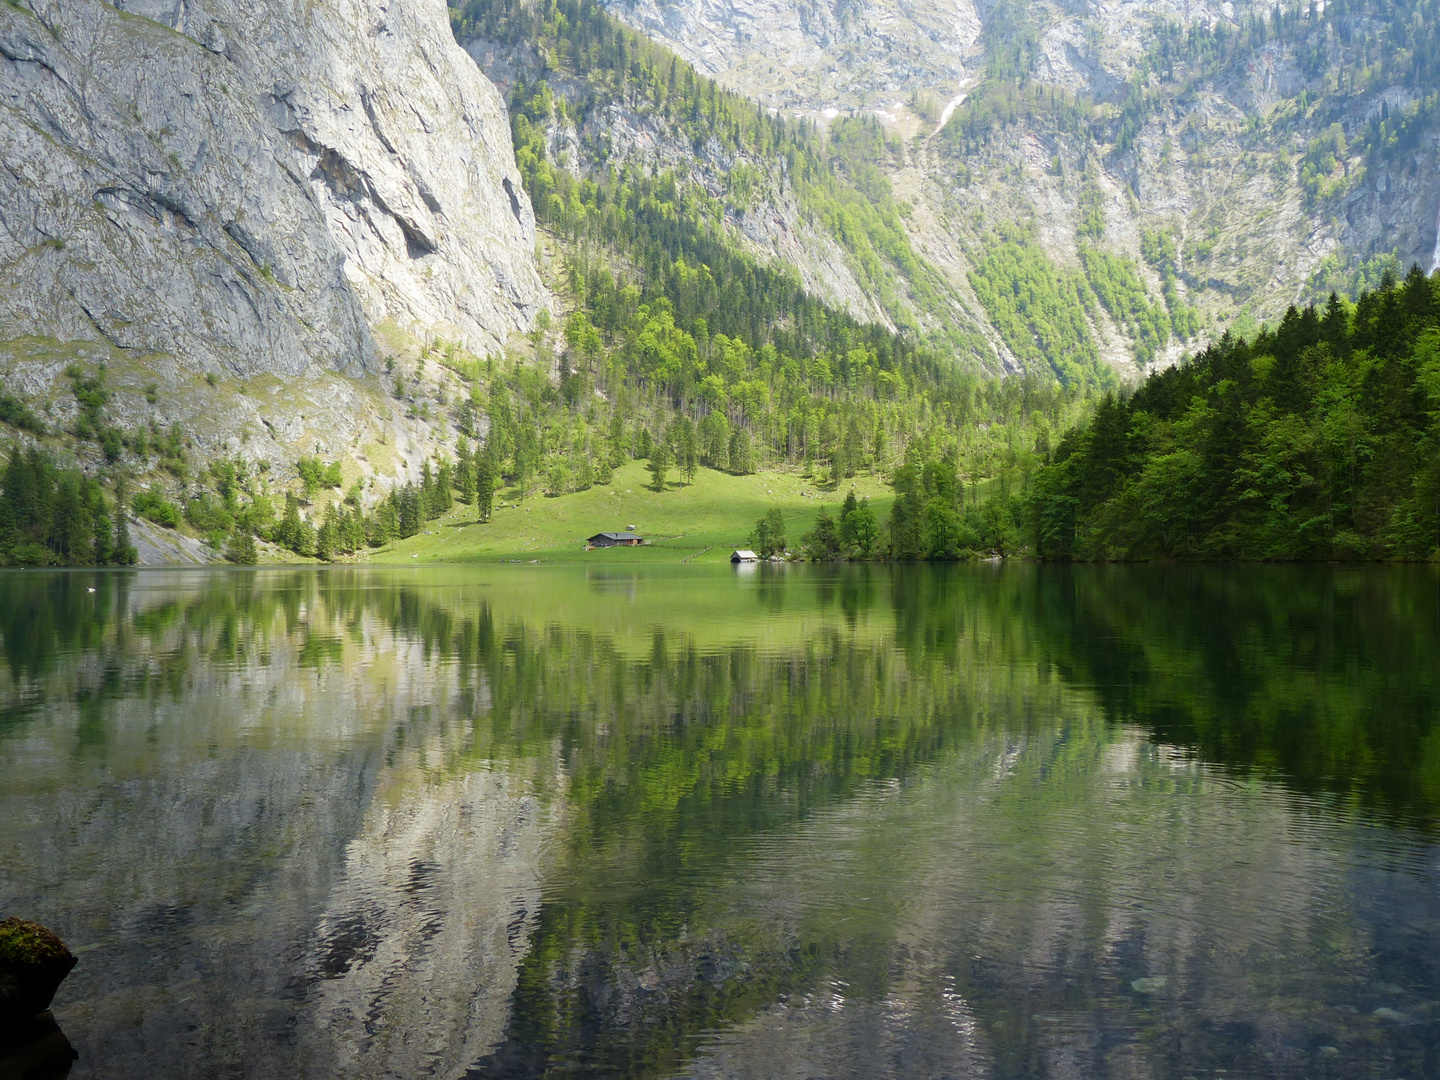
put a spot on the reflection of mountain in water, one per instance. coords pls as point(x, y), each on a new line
point(356, 825)
point(228, 807)
point(416, 952)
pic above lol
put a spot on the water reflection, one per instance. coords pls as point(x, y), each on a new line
point(35, 1049)
point(972, 821)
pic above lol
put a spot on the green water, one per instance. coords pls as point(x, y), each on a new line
point(869, 822)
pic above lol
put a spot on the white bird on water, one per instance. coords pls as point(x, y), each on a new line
point(89, 590)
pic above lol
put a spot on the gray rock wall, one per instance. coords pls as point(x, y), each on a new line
point(817, 54)
point(250, 188)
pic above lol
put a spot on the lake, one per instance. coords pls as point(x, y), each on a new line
point(782, 822)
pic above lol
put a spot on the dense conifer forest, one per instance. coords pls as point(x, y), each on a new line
point(1319, 439)
point(51, 515)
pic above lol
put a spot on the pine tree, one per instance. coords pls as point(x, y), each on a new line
point(428, 496)
point(465, 467)
point(443, 497)
point(325, 540)
point(241, 550)
point(742, 454)
point(384, 523)
point(687, 454)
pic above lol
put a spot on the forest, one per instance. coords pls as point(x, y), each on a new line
point(1319, 439)
point(52, 515)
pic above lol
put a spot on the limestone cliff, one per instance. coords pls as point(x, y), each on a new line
point(249, 187)
point(241, 209)
point(1211, 146)
point(813, 55)
point(249, 193)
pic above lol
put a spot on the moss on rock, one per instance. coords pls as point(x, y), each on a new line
point(24, 942)
point(33, 963)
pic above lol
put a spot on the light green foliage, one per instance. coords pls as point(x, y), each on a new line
point(930, 519)
point(768, 536)
point(210, 516)
point(999, 103)
point(660, 462)
point(1159, 250)
point(315, 474)
point(241, 548)
point(1322, 170)
point(855, 535)
point(152, 505)
point(1118, 286)
point(1090, 206)
point(1039, 309)
point(1338, 274)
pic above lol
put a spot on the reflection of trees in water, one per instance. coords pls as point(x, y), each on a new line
point(670, 767)
point(1325, 679)
point(674, 765)
point(669, 760)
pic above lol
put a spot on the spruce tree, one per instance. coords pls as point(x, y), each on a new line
point(242, 550)
point(122, 551)
point(465, 472)
point(659, 466)
point(485, 478)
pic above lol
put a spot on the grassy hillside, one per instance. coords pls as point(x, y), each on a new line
point(717, 511)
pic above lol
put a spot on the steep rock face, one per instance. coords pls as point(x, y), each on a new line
point(817, 54)
point(250, 190)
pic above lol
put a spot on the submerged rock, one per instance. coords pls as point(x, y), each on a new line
point(1150, 984)
point(1390, 1016)
point(33, 963)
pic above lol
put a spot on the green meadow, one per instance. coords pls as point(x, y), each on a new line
point(715, 512)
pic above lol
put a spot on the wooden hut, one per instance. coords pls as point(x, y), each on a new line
point(620, 539)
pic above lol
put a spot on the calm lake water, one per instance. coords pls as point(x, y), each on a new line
point(793, 823)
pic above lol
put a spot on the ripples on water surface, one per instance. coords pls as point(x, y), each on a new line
point(962, 822)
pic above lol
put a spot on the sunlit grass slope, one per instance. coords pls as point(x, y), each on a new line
point(717, 511)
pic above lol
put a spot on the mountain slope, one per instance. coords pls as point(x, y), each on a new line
point(1237, 157)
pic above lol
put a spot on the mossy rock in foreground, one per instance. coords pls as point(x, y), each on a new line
point(33, 963)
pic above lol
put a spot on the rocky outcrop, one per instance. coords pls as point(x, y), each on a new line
point(33, 964)
point(249, 189)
